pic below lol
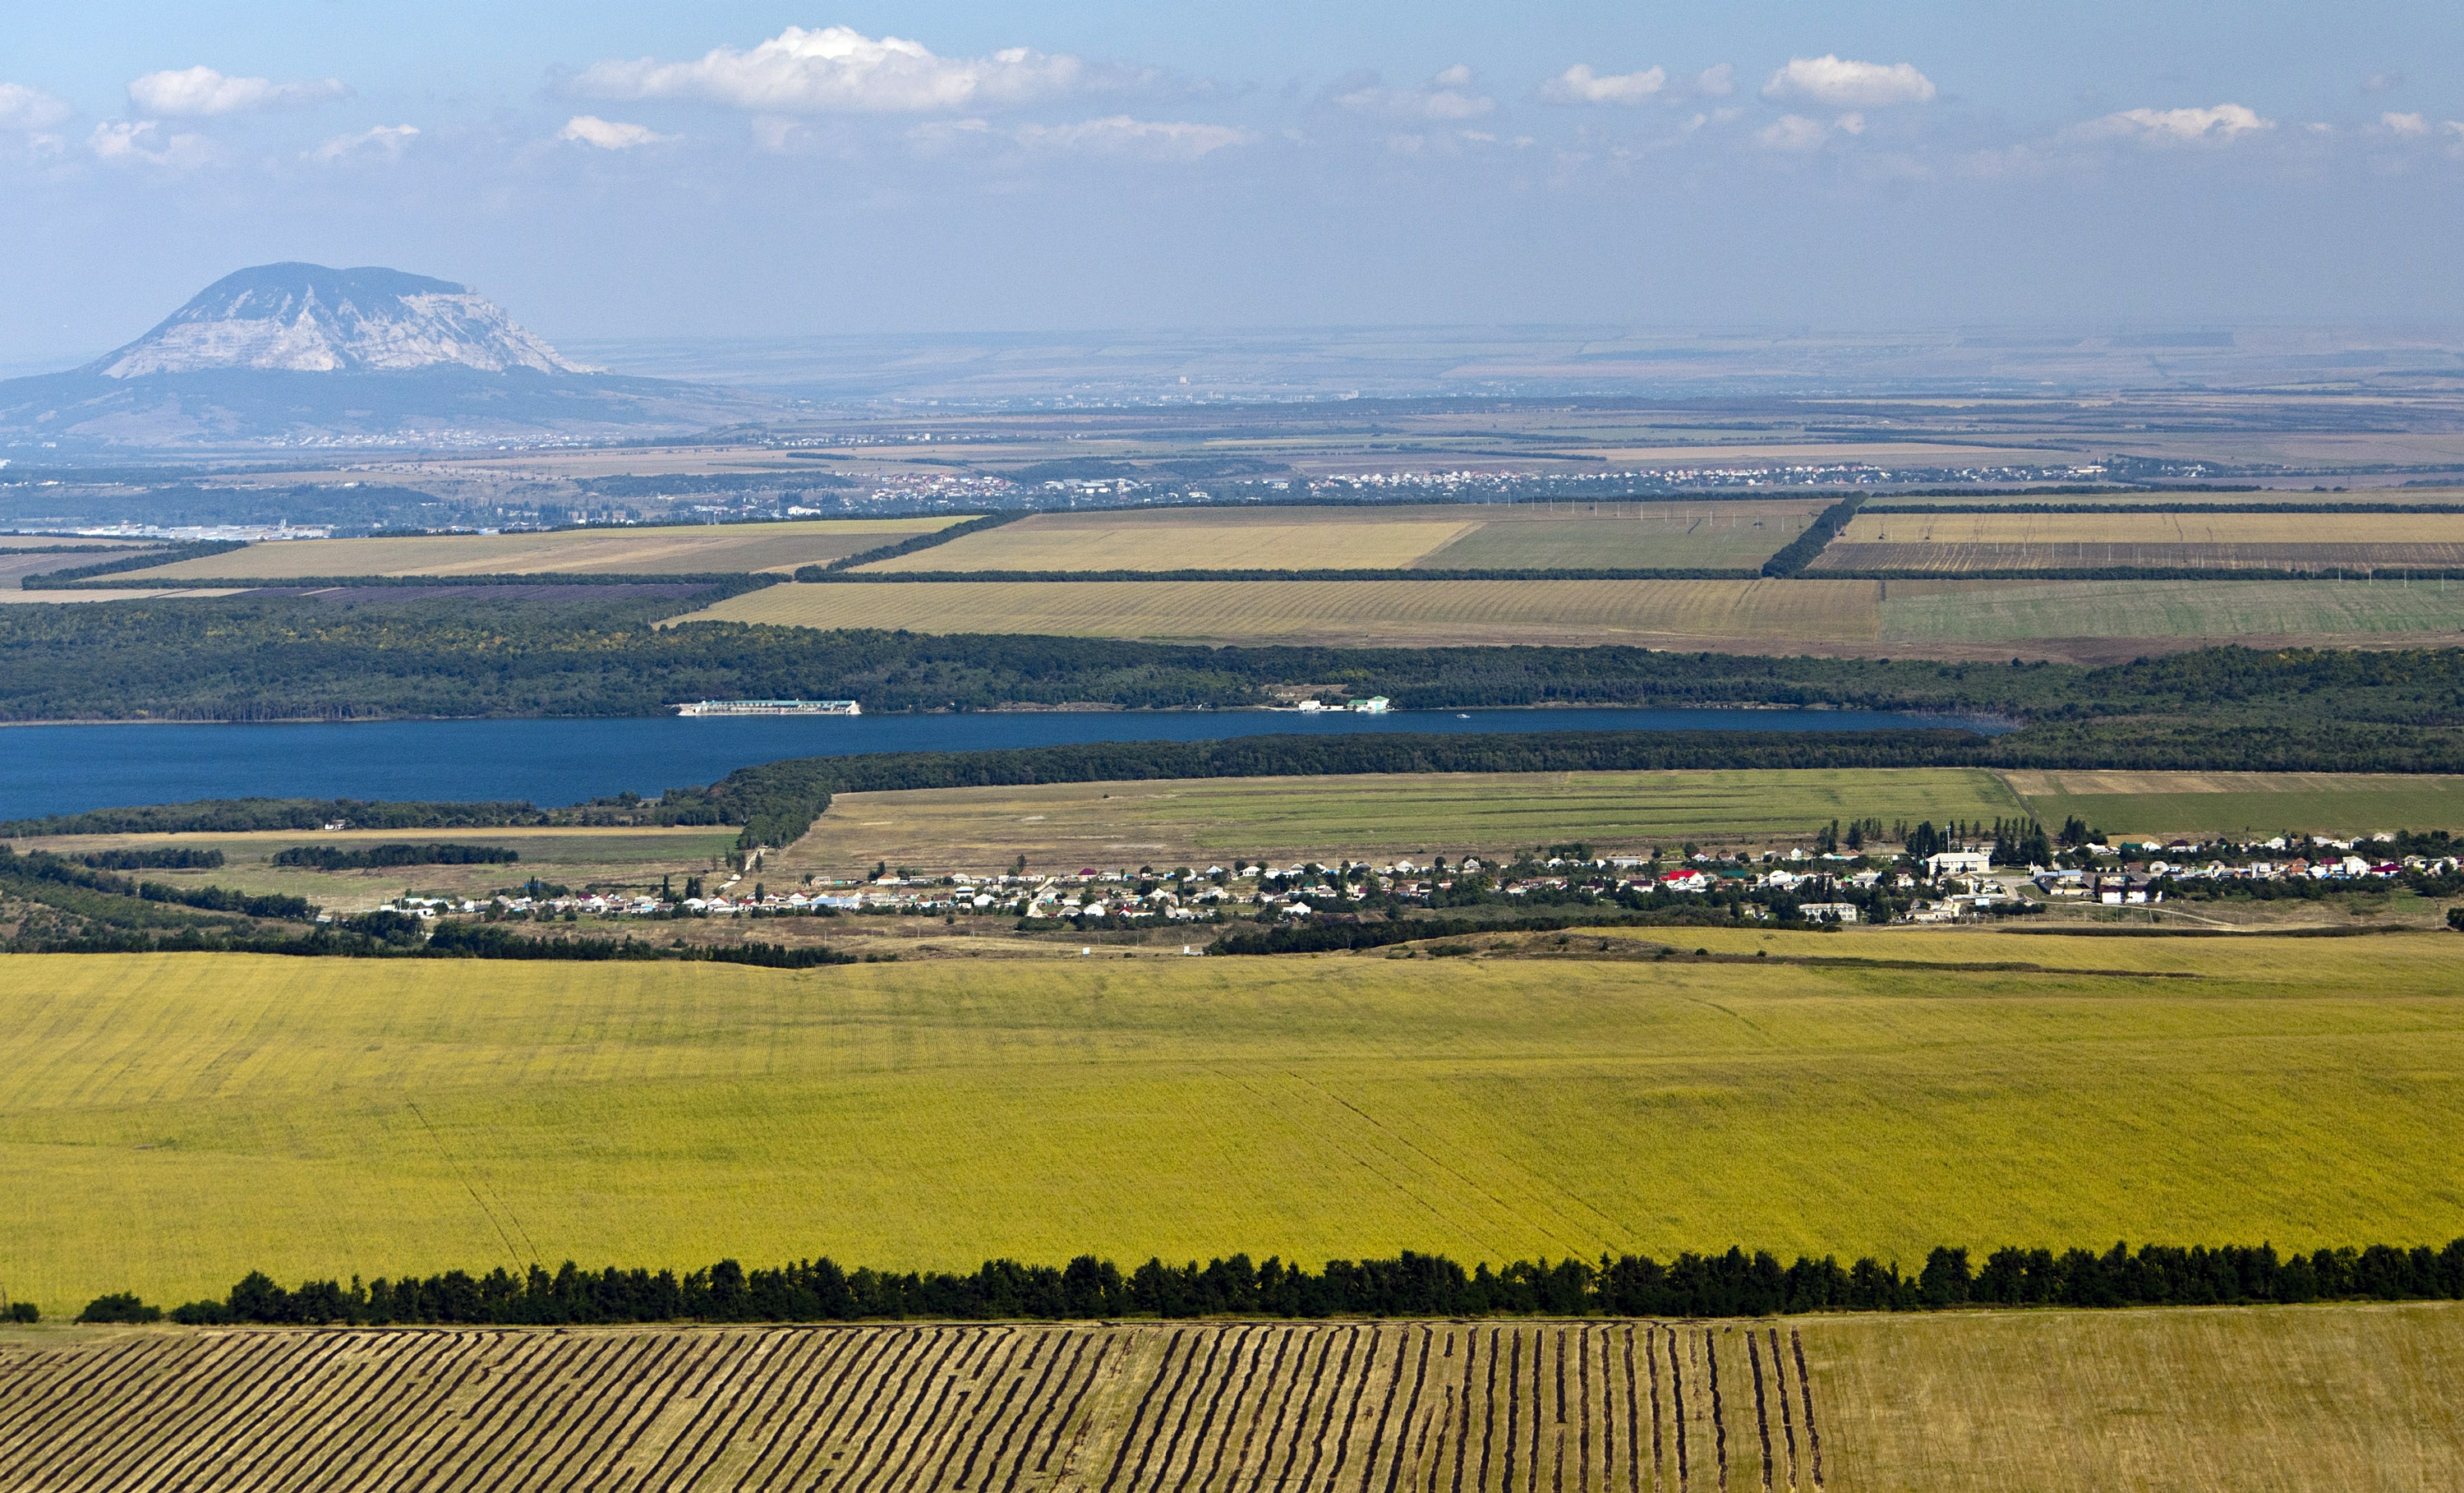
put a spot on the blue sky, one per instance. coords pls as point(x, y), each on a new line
point(740, 169)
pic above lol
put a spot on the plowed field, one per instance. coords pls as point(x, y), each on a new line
point(1355, 1406)
point(2213, 1400)
point(1449, 536)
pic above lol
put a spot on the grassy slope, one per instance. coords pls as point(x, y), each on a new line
point(169, 1122)
point(2226, 1401)
point(2259, 804)
point(1059, 826)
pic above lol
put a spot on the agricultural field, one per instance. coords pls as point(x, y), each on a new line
point(1746, 614)
point(2354, 612)
point(584, 859)
point(1455, 537)
point(169, 1122)
point(2287, 498)
point(1058, 826)
point(1949, 543)
point(682, 549)
point(2214, 1400)
point(2246, 806)
point(17, 561)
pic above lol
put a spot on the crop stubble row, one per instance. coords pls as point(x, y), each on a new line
point(1566, 1407)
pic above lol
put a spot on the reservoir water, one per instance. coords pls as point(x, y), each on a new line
point(63, 769)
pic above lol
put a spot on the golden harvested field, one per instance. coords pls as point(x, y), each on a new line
point(2272, 1399)
point(1452, 536)
point(1058, 826)
point(1949, 543)
point(682, 550)
point(579, 858)
point(1651, 613)
point(169, 1122)
point(2201, 1400)
point(2255, 805)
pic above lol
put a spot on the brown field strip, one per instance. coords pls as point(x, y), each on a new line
point(1365, 1407)
point(2206, 1400)
point(1442, 537)
point(1949, 543)
point(678, 550)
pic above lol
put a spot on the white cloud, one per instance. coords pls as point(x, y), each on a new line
point(1121, 135)
point(2178, 126)
point(1447, 96)
point(2380, 82)
point(125, 141)
point(2405, 123)
point(1791, 132)
point(839, 70)
point(385, 140)
point(199, 90)
point(589, 129)
point(1850, 124)
point(1849, 84)
point(24, 108)
point(1717, 81)
point(1579, 84)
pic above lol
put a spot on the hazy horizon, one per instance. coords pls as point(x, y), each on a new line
point(736, 170)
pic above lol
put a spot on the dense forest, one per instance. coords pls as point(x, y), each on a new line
point(1735, 1283)
point(599, 654)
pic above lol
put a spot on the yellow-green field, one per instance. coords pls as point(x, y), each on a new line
point(1379, 612)
point(579, 858)
point(1455, 537)
point(2272, 1399)
point(696, 550)
point(2255, 805)
point(2262, 613)
point(169, 1122)
point(1058, 827)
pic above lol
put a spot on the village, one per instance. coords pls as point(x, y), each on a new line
point(1881, 884)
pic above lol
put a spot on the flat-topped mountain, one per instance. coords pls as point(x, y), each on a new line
point(307, 318)
point(302, 355)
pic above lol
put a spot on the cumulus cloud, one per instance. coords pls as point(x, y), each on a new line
point(1448, 95)
point(199, 90)
point(1717, 81)
point(24, 108)
point(839, 70)
point(1579, 84)
point(1849, 84)
point(2178, 126)
point(386, 141)
point(127, 142)
point(589, 129)
point(1791, 132)
point(2405, 123)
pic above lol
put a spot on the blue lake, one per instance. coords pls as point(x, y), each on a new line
point(63, 769)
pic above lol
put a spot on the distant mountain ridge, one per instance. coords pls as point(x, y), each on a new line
point(299, 354)
point(306, 319)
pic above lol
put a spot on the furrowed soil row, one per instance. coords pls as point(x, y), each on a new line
point(1193, 1408)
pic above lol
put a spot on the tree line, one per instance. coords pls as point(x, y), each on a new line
point(1735, 1283)
point(336, 858)
point(1808, 547)
point(44, 867)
